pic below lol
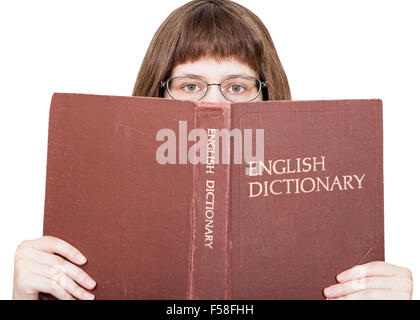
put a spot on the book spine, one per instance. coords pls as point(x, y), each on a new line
point(210, 244)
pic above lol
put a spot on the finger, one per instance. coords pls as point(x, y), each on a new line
point(42, 284)
point(374, 294)
point(64, 281)
point(54, 265)
point(372, 269)
point(54, 245)
point(346, 288)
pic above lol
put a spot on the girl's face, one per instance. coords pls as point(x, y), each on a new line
point(213, 71)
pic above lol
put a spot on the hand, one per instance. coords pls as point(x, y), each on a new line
point(39, 269)
point(372, 281)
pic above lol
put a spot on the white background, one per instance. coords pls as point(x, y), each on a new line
point(329, 49)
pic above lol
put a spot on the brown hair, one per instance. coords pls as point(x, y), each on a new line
point(212, 28)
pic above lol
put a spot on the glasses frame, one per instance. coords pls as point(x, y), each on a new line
point(262, 84)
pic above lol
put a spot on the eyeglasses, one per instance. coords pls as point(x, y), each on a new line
point(234, 89)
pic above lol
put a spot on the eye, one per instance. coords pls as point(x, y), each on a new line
point(236, 88)
point(190, 87)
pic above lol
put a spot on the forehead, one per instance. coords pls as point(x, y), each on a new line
point(213, 70)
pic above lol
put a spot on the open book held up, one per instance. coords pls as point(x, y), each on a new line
point(173, 199)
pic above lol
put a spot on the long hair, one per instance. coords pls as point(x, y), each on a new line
point(212, 28)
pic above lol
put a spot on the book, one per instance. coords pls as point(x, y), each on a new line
point(173, 199)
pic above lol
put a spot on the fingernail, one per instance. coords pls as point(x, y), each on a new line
point(90, 282)
point(88, 295)
point(329, 291)
point(81, 258)
point(341, 276)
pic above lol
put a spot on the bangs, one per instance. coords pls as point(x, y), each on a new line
point(212, 31)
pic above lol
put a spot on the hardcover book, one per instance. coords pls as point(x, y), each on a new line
point(172, 199)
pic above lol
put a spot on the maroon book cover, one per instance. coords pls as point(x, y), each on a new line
point(124, 185)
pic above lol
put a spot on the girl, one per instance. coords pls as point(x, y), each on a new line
point(209, 51)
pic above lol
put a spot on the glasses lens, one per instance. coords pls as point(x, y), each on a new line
point(241, 89)
point(184, 88)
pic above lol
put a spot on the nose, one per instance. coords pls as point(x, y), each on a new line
point(214, 95)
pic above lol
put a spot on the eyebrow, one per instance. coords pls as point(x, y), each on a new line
point(226, 76)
